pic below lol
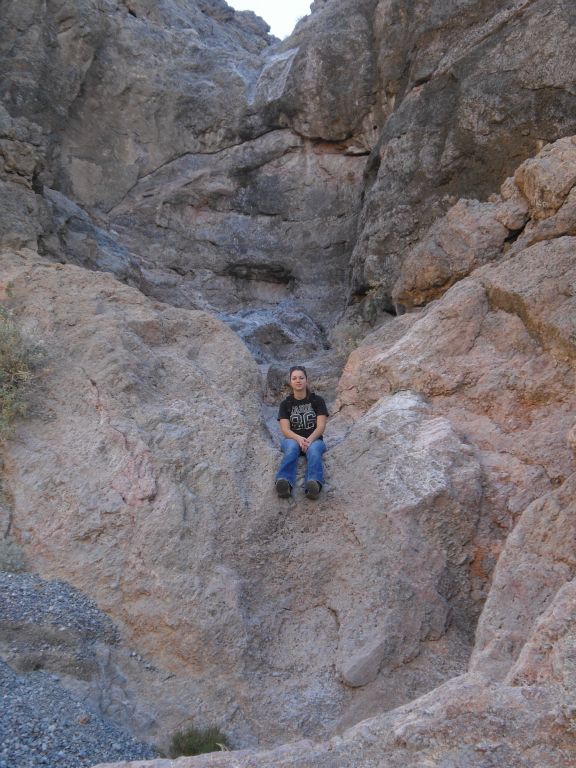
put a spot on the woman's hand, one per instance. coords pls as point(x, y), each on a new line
point(303, 442)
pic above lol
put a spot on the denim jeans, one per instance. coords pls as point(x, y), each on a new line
point(289, 464)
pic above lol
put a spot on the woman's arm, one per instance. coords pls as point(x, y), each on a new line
point(319, 431)
point(287, 432)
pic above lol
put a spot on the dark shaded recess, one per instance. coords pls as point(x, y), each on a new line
point(280, 113)
point(371, 172)
point(132, 13)
point(265, 273)
point(37, 182)
point(375, 302)
point(513, 235)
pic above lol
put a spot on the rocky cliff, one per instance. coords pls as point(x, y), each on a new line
point(388, 195)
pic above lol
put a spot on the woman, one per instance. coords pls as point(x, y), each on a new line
point(302, 416)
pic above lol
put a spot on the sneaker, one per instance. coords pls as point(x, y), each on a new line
point(313, 489)
point(283, 488)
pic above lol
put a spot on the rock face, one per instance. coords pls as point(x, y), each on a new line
point(515, 704)
point(221, 210)
point(495, 354)
point(478, 95)
point(185, 199)
point(153, 512)
point(270, 221)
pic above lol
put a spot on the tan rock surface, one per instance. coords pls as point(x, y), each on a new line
point(144, 477)
point(464, 724)
point(530, 593)
point(143, 453)
point(495, 354)
point(546, 180)
point(468, 236)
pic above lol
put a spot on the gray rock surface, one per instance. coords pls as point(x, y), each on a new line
point(322, 81)
point(480, 87)
point(72, 237)
point(22, 148)
point(270, 221)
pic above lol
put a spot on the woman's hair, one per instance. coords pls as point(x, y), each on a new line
point(304, 371)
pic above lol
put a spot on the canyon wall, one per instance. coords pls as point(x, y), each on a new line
point(388, 195)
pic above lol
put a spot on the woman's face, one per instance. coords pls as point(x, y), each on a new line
point(298, 382)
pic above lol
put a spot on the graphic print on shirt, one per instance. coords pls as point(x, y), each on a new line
point(302, 417)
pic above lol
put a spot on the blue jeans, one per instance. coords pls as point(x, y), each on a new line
point(289, 464)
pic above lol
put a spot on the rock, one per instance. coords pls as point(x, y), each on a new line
point(468, 236)
point(536, 564)
point(321, 80)
point(548, 655)
point(164, 114)
point(148, 446)
point(22, 151)
point(130, 490)
point(546, 180)
point(284, 333)
point(173, 78)
point(495, 356)
point(533, 285)
point(472, 102)
point(563, 222)
point(572, 438)
point(269, 222)
point(463, 723)
point(409, 505)
point(178, 148)
point(23, 217)
point(75, 239)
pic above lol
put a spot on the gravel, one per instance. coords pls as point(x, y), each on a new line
point(27, 598)
point(41, 722)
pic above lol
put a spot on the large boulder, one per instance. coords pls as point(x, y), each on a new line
point(143, 476)
point(322, 80)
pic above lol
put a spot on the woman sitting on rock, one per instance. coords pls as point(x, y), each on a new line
point(302, 418)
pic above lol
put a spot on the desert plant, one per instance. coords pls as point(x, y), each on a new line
point(19, 358)
point(197, 741)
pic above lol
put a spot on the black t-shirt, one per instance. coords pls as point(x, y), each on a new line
point(302, 413)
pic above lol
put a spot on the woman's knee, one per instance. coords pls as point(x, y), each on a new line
point(290, 446)
point(317, 447)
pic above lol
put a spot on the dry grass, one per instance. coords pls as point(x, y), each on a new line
point(198, 741)
point(19, 359)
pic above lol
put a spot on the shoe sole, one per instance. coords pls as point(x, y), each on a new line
point(283, 488)
point(313, 489)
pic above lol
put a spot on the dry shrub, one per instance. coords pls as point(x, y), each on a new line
point(19, 359)
point(198, 741)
